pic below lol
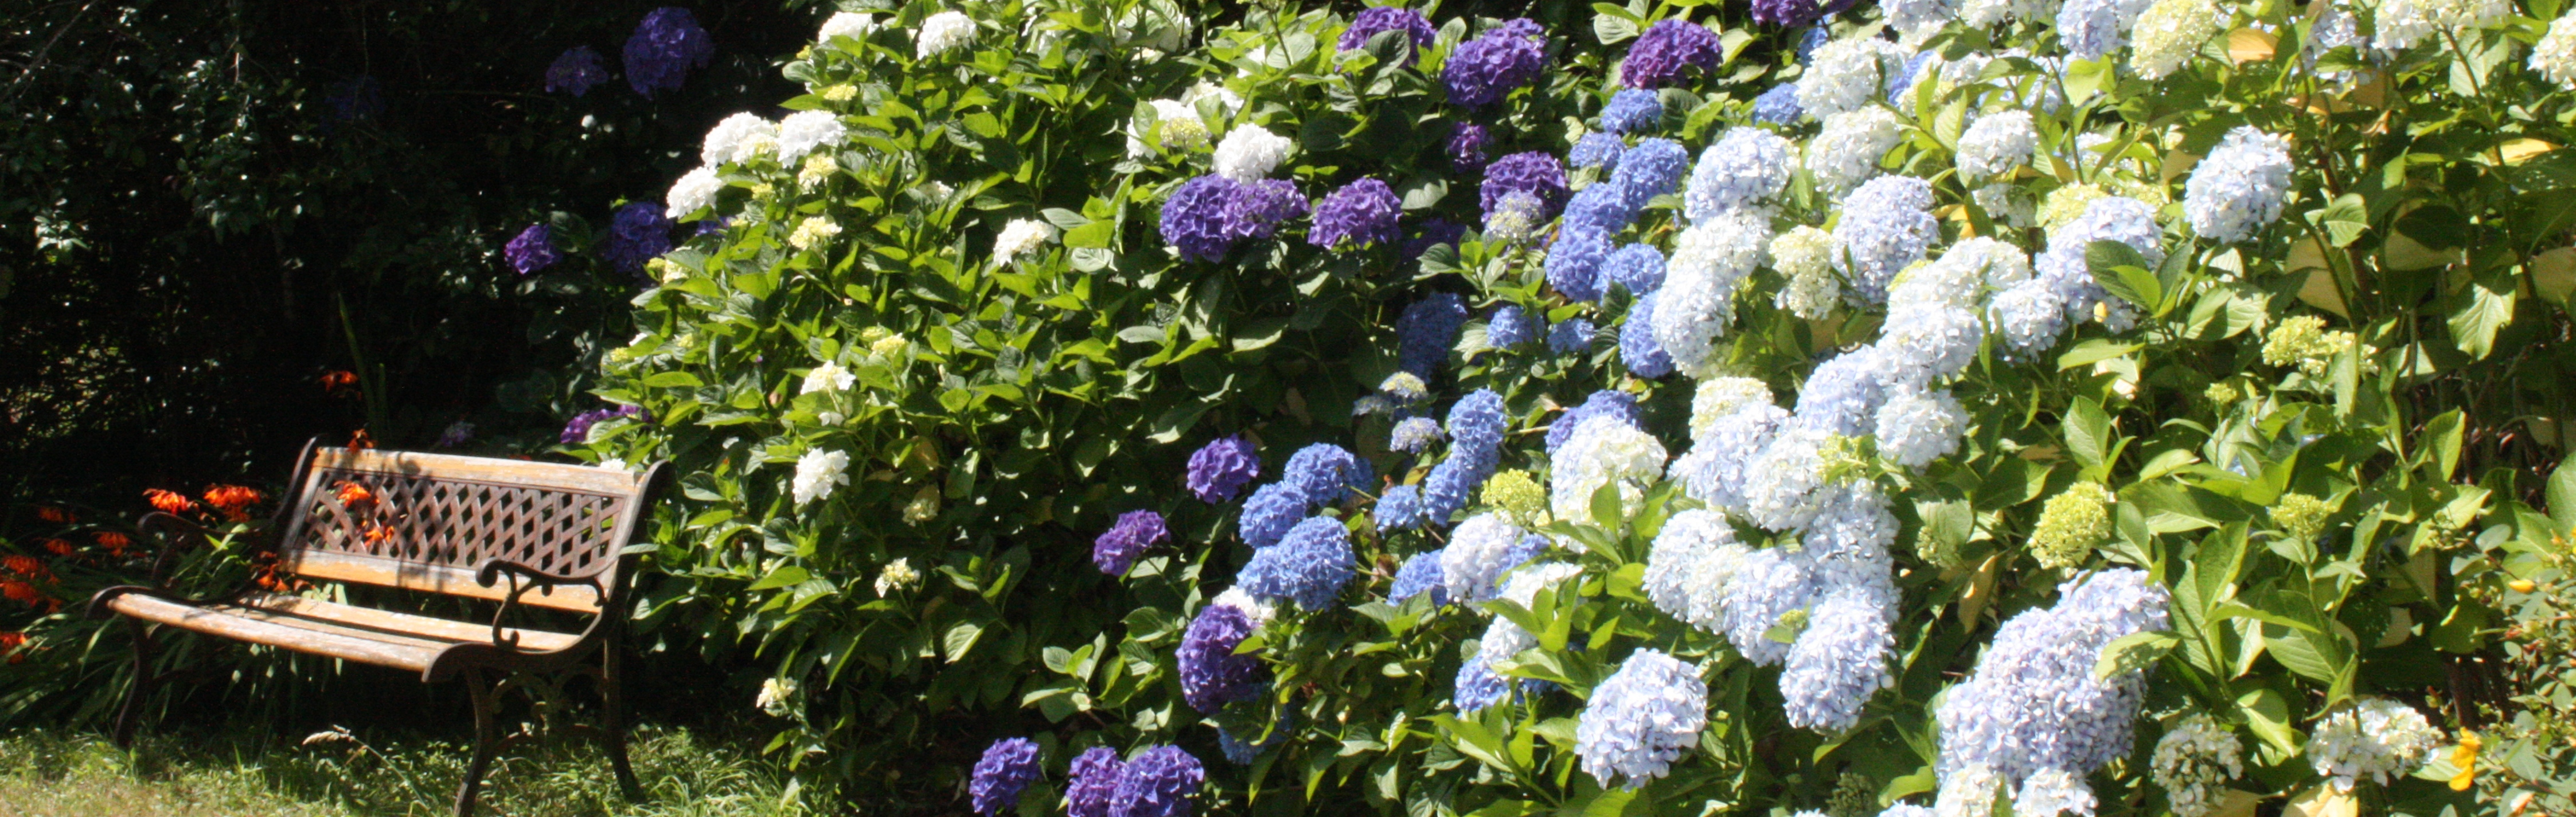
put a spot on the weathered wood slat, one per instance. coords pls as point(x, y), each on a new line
point(399, 623)
point(385, 651)
point(451, 467)
point(453, 581)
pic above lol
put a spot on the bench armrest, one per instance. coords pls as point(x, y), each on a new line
point(523, 579)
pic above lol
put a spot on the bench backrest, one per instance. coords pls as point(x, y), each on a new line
point(426, 521)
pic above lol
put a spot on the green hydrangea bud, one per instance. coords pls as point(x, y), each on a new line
point(2065, 203)
point(2301, 516)
point(2305, 342)
point(2071, 525)
point(1517, 496)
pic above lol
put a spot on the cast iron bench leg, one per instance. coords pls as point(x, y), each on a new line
point(487, 742)
point(613, 698)
point(132, 710)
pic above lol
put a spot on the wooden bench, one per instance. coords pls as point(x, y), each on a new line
point(522, 534)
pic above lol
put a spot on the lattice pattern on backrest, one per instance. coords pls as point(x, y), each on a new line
point(455, 512)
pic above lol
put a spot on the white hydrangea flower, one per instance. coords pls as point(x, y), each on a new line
point(1228, 103)
point(1844, 75)
point(1179, 126)
point(2376, 738)
point(1743, 168)
point(942, 32)
point(829, 377)
point(1603, 450)
point(1714, 470)
point(1480, 551)
point(1019, 236)
point(2240, 187)
point(1838, 661)
point(1697, 303)
point(1886, 226)
point(1847, 151)
point(777, 696)
point(897, 575)
point(2170, 32)
point(1781, 485)
point(2554, 57)
point(2192, 761)
point(611, 464)
point(817, 473)
point(849, 24)
point(1916, 427)
point(829, 418)
point(1967, 792)
point(803, 131)
point(1962, 275)
point(694, 191)
point(1718, 397)
point(818, 168)
point(726, 143)
point(812, 231)
point(1687, 569)
point(2053, 791)
point(1641, 718)
point(2402, 23)
point(2005, 204)
point(1917, 20)
point(1254, 610)
point(1989, 13)
point(1804, 256)
point(1997, 143)
point(1250, 152)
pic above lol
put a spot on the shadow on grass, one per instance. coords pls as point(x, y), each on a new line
point(253, 773)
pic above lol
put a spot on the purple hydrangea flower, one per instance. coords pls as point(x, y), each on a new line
point(1362, 212)
point(1613, 403)
point(1389, 18)
point(1212, 675)
point(1477, 423)
point(1005, 770)
point(1434, 233)
point(1207, 216)
point(1786, 13)
point(457, 433)
point(665, 45)
point(1116, 549)
point(1093, 778)
point(532, 250)
point(1467, 144)
point(1324, 473)
point(1400, 508)
point(1511, 326)
point(638, 233)
point(1485, 69)
point(1535, 173)
point(576, 71)
point(1420, 574)
point(1815, 38)
point(1158, 783)
point(1426, 331)
point(1241, 752)
point(1221, 468)
point(1778, 106)
point(1666, 49)
point(577, 431)
point(1597, 149)
point(1309, 566)
point(1630, 111)
point(1574, 262)
point(1572, 335)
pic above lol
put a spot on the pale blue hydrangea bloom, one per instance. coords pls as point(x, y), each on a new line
point(1308, 566)
point(1997, 143)
point(1638, 349)
point(1842, 396)
point(1922, 342)
point(1778, 106)
point(1963, 274)
point(2030, 316)
point(1477, 683)
point(2063, 266)
point(1916, 426)
point(1782, 485)
point(2033, 704)
point(1400, 508)
point(1619, 403)
point(1272, 510)
point(1847, 74)
point(1480, 551)
point(1574, 261)
point(2092, 28)
point(1605, 449)
point(1715, 469)
point(1637, 267)
point(2239, 187)
point(1420, 574)
point(1413, 435)
point(1745, 167)
point(1597, 149)
point(1641, 719)
point(1837, 662)
point(1850, 535)
point(1710, 262)
point(1687, 570)
point(1632, 110)
point(1847, 151)
point(1886, 224)
point(1769, 584)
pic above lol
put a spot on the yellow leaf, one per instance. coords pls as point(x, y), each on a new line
point(2236, 803)
point(1981, 591)
point(2319, 289)
point(2553, 274)
point(2323, 801)
point(2520, 150)
point(2246, 45)
point(2403, 254)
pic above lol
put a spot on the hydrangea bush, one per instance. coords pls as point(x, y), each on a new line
point(1946, 407)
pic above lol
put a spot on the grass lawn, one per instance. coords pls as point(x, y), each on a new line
point(245, 774)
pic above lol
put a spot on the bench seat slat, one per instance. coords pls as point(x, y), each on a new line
point(402, 624)
point(336, 566)
point(385, 651)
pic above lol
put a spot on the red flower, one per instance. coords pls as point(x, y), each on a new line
point(113, 541)
point(59, 547)
point(53, 514)
point(9, 644)
point(169, 502)
point(358, 439)
point(18, 591)
point(233, 500)
point(355, 496)
point(338, 379)
point(27, 566)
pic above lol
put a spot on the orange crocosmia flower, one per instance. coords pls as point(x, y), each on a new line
point(58, 547)
point(26, 566)
point(338, 379)
point(376, 532)
point(359, 439)
point(233, 500)
point(169, 502)
point(113, 541)
point(55, 515)
point(10, 644)
point(355, 495)
point(19, 591)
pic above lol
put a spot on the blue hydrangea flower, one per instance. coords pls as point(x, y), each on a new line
point(1638, 267)
point(1574, 262)
point(1476, 686)
point(1843, 395)
point(2089, 29)
point(1451, 485)
point(1208, 215)
point(1467, 144)
point(1480, 551)
point(636, 234)
point(1309, 566)
point(1400, 508)
point(2240, 187)
point(1477, 422)
point(1653, 168)
point(1483, 70)
point(1093, 779)
point(1535, 173)
point(1420, 574)
point(1903, 80)
point(1116, 549)
point(1413, 435)
point(1641, 719)
point(1271, 511)
point(1570, 335)
point(1768, 584)
point(665, 45)
point(1362, 212)
point(1779, 106)
point(1212, 675)
point(1427, 330)
point(2033, 705)
point(1811, 40)
point(1838, 661)
point(1159, 782)
point(1614, 403)
point(1597, 149)
point(1325, 473)
point(1388, 18)
point(1632, 110)
point(1221, 468)
point(576, 71)
point(1887, 224)
point(1002, 774)
point(1745, 167)
point(1667, 48)
point(2064, 268)
point(1434, 233)
point(1787, 13)
point(1242, 753)
point(1638, 348)
point(1511, 326)
point(533, 249)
